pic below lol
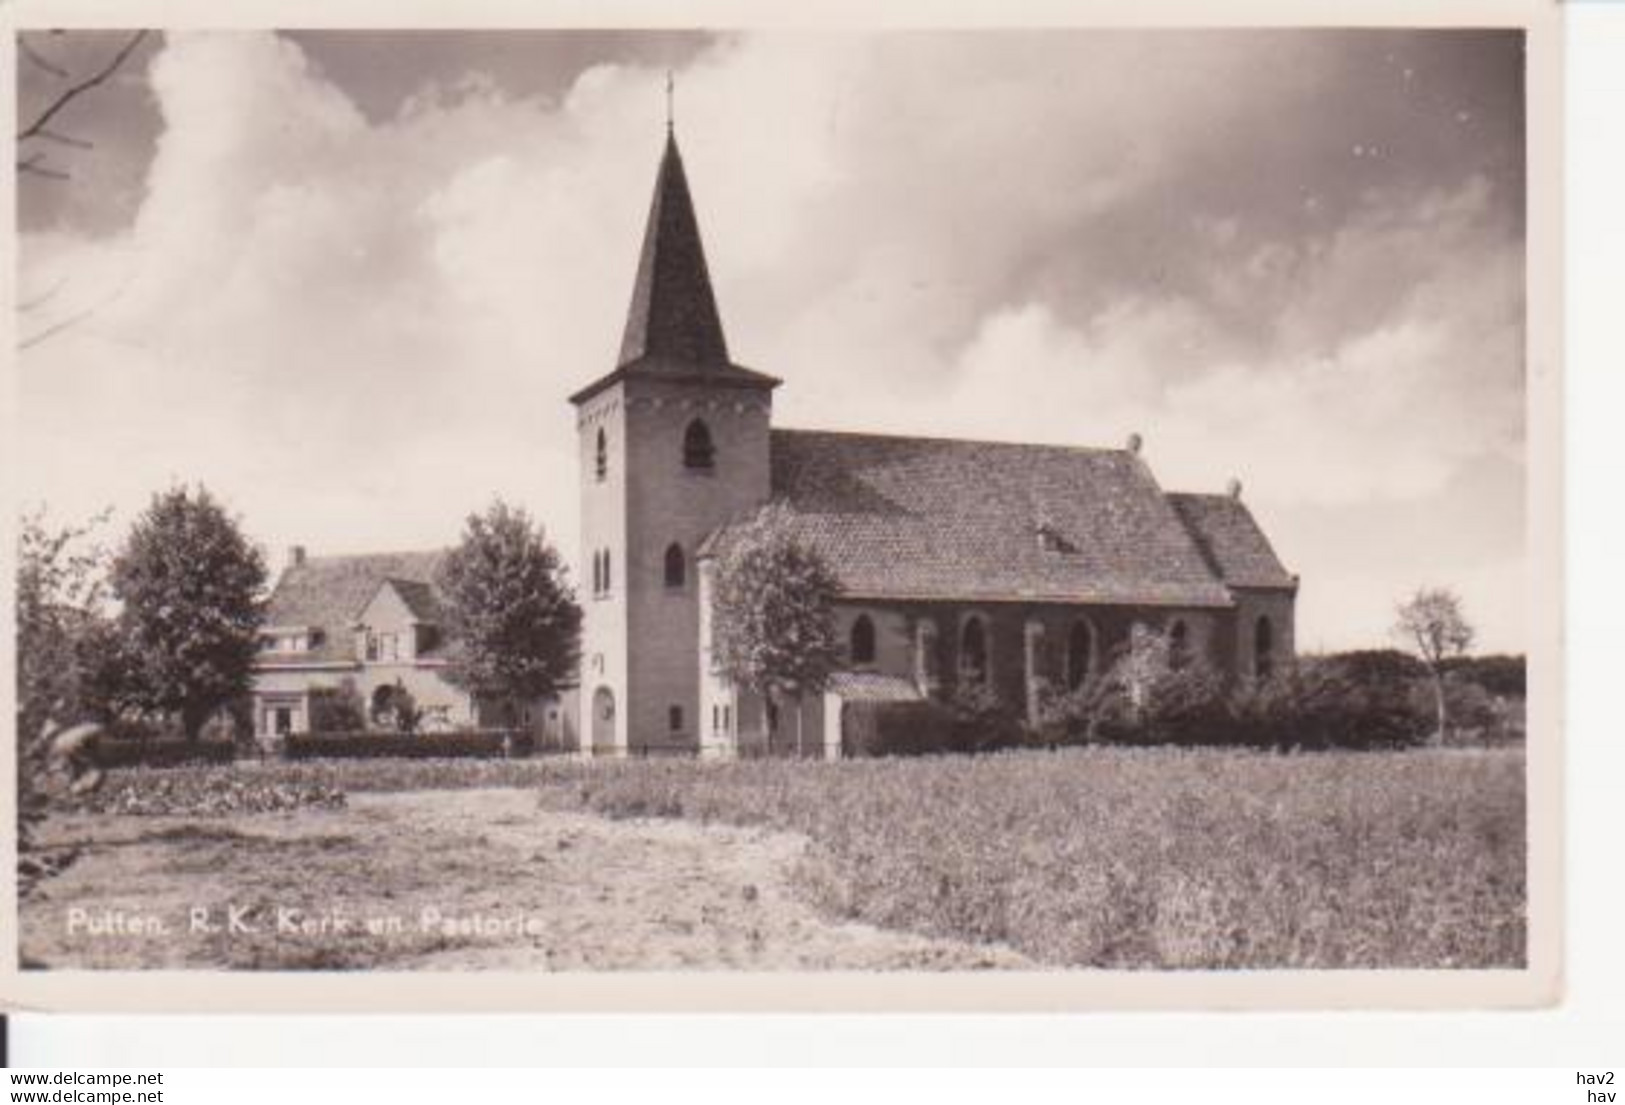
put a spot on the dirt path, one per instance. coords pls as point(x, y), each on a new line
point(448, 880)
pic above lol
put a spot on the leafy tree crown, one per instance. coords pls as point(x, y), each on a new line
point(192, 589)
point(773, 611)
point(514, 616)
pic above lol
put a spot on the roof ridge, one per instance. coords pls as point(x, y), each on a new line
point(940, 440)
point(328, 558)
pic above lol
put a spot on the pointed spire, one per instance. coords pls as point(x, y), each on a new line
point(674, 313)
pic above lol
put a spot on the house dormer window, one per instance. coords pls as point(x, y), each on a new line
point(698, 451)
point(602, 464)
point(1052, 540)
point(676, 566)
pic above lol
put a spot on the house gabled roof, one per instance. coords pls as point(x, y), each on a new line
point(328, 593)
point(420, 598)
point(929, 518)
point(1231, 540)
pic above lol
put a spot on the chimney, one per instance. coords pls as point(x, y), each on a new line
point(1233, 488)
point(296, 556)
point(1134, 443)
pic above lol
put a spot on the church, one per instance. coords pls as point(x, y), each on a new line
point(1012, 566)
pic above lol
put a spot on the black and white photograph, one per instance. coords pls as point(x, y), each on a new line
point(922, 503)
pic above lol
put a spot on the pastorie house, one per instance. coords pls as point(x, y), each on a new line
point(1007, 565)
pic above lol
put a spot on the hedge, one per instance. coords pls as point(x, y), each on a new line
point(479, 744)
point(162, 752)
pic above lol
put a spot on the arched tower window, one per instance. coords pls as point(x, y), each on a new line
point(602, 465)
point(698, 451)
point(1179, 644)
point(1263, 649)
point(1080, 654)
point(863, 640)
point(676, 567)
point(973, 651)
point(608, 577)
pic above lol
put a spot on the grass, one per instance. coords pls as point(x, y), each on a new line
point(1145, 858)
point(1120, 858)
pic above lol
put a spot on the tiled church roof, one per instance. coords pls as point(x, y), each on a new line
point(328, 593)
point(924, 518)
point(1231, 540)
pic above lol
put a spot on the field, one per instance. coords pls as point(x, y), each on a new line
point(1121, 858)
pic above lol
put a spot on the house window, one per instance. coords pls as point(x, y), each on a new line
point(602, 465)
point(698, 452)
point(607, 575)
point(973, 651)
point(1080, 654)
point(372, 645)
point(1179, 645)
point(1263, 649)
point(716, 718)
point(674, 719)
point(676, 568)
point(597, 573)
point(863, 640)
point(727, 718)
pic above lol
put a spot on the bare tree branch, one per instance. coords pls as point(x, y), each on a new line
point(66, 140)
point(73, 92)
point(39, 59)
point(77, 317)
point(44, 297)
point(57, 327)
point(33, 165)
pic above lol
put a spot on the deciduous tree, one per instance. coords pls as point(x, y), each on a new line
point(1432, 622)
point(773, 614)
point(192, 589)
point(514, 617)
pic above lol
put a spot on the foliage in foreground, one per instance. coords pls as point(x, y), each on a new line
point(1138, 858)
point(208, 792)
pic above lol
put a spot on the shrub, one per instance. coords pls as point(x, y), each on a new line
point(207, 792)
point(1499, 675)
point(338, 709)
point(1330, 703)
point(979, 721)
point(1082, 715)
point(484, 743)
point(127, 751)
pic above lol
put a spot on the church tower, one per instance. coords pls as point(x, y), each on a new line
point(673, 443)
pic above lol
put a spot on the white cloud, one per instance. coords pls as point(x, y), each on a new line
point(358, 331)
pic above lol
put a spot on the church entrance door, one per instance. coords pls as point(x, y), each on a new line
point(603, 720)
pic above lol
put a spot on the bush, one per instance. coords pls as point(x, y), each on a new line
point(127, 751)
point(484, 743)
point(1499, 675)
point(1331, 703)
point(338, 709)
point(208, 792)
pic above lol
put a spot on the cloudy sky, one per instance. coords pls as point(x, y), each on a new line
point(348, 279)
